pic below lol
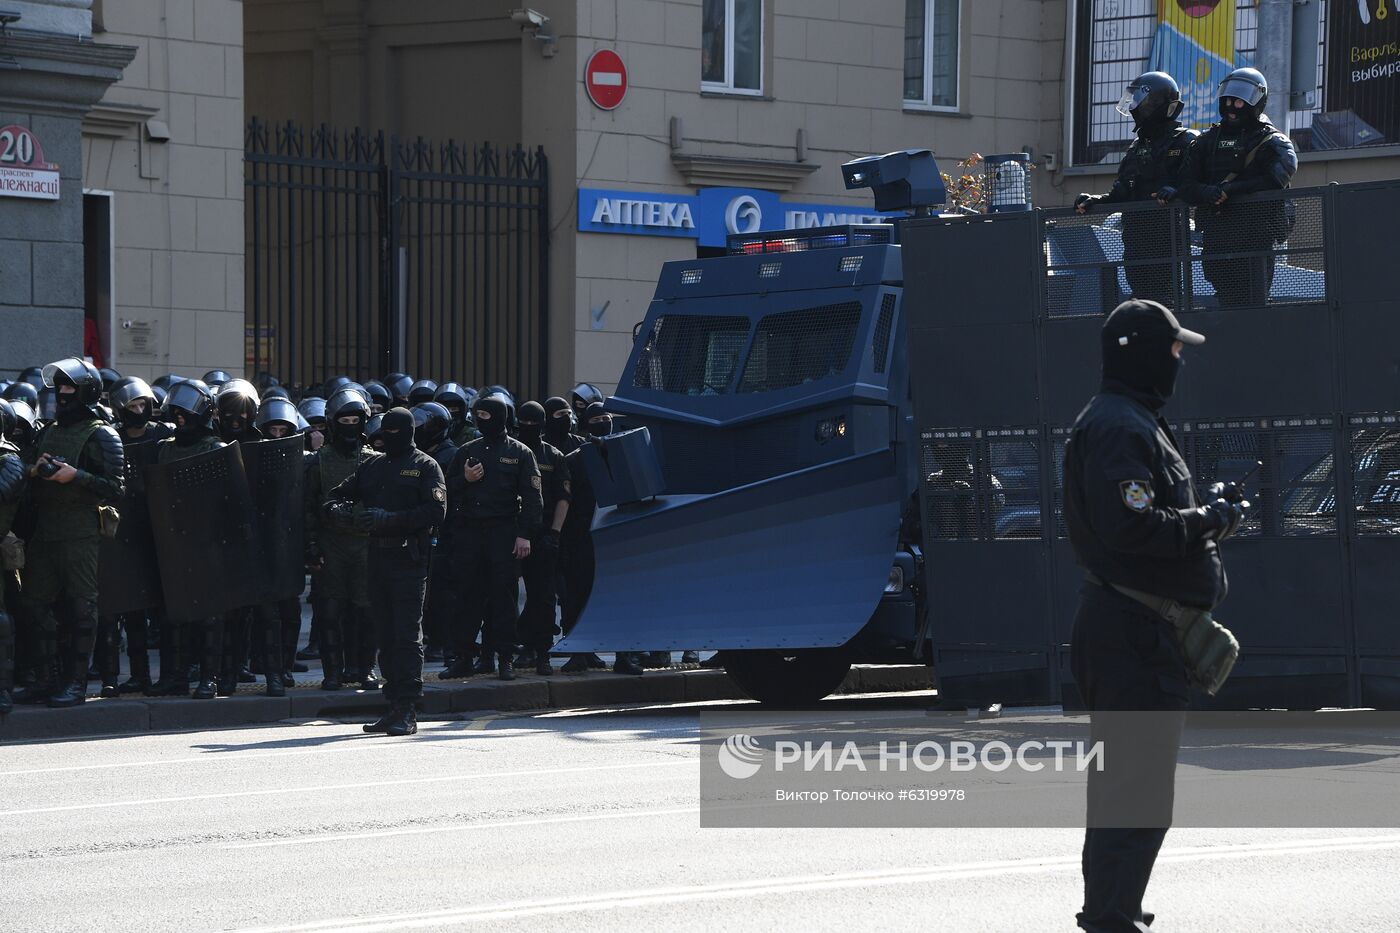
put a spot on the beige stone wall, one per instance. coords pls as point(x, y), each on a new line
point(179, 204)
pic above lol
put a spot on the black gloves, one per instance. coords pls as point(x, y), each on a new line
point(1222, 518)
point(1209, 194)
point(370, 520)
point(549, 538)
point(1086, 202)
point(1165, 193)
point(340, 514)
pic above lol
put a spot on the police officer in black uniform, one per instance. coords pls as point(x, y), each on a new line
point(396, 498)
point(1143, 632)
point(12, 482)
point(495, 509)
point(1149, 172)
point(432, 426)
point(537, 628)
point(559, 426)
point(1241, 154)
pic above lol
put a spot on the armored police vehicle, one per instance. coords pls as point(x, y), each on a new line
point(854, 437)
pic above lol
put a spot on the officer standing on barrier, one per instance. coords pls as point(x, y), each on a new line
point(1143, 633)
point(1149, 172)
point(496, 507)
point(339, 558)
point(1241, 154)
point(540, 569)
point(12, 482)
point(190, 406)
point(396, 498)
point(78, 471)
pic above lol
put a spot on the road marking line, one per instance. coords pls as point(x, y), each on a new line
point(796, 885)
point(461, 827)
point(406, 782)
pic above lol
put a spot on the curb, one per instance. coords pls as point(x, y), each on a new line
point(441, 700)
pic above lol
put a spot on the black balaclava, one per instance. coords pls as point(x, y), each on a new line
point(134, 420)
point(347, 438)
point(397, 431)
point(559, 422)
point(494, 426)
point(531, 422)
point(1136, 342)
point(69, 404)
point(601, 429)
point(191, 430)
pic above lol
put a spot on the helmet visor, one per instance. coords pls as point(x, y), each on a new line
point(1132, 98)
point(1247, 91)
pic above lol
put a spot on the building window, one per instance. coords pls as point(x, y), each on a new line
point(931, 54)
point(731, 50)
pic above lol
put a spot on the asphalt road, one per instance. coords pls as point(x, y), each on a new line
point(568, 820)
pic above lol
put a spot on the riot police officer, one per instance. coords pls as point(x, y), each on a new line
point(578, 545)
point(1149, 172)
point(583, 395)
point(432, 422)
point(77, 469)
point(421, 391)
point(379, 399)
point(458, 402)
point(396, 498)
point(399, 385)
point(495, 508)
point(540, 569)
point(313, 411)
point(134, 404)
point(1143, 632)
point(559, 426)
point(339, 557)
point(12, 481)
point(1241, 154)
point(190, 407)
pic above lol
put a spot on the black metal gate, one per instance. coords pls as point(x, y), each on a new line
point(368, 254)
point(1302, 376)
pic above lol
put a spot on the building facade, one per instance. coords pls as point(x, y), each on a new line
point(665, 123)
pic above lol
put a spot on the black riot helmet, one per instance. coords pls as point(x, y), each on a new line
point(277, 417)
point(165, 382)
point(193, 400)
point(34, 375)
point(266, 381)
point(127, 391)
point(1247, 85)
point(422, 391)
point(80, 374)
point(237, 405)
point(7, 419)
point(583, 395)
point(398, 385)
point(25, 423)
point(110, 378)
point(159, 393)
point(374, 432)
point(5, 384)
point(275, 392)
point(334, 384)
point(430, 424)
point(215, 378)
point(313, 409)
point(1151, 99)
point(23, 392)
point(347, 403)
point(1137, 343)
point(454, 398)
point(379, 397)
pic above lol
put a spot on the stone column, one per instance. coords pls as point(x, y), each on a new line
point(51, 73)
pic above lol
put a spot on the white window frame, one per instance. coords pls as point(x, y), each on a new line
point(727, 87)
point(925, 101)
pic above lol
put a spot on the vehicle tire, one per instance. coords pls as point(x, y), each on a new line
point(788, 679)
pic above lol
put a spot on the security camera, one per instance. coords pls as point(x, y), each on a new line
point(10, 16)
point(527, 18)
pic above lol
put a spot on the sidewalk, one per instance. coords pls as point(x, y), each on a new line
point(456, 699)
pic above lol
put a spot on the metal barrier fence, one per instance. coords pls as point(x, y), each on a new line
point(367, 254)
point(1262, 249)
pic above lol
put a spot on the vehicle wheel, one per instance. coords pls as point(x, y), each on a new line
point(788, 678)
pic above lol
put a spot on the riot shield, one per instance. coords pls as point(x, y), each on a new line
point(128, 578)
point(202, 517)
point(274, 469)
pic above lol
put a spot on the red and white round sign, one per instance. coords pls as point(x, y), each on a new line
point(605, 78)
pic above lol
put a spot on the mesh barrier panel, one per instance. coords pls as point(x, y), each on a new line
point(1014, 500)
point(797, 347)
point(1264, 250)
point(982, 485)
point(1375, 458)
point(1059, 437)
point(950, 477)
point(883, 328)
point(1098, 259)
point(691, 354)
point(1293, 493)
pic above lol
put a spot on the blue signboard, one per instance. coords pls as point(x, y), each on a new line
point(709, 216)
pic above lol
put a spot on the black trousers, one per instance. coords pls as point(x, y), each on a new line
point(443, 598)
point(397, 581)
point(578, 565)
point(540, 569)
point(1240, 281)
point(490, 582)
point(1148, 235)
point(1129, 669)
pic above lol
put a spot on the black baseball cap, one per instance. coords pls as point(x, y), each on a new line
point(1143, 319)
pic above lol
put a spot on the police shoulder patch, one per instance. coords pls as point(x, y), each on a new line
point(535, 481)
point(439, 494)
point(1137, 494)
